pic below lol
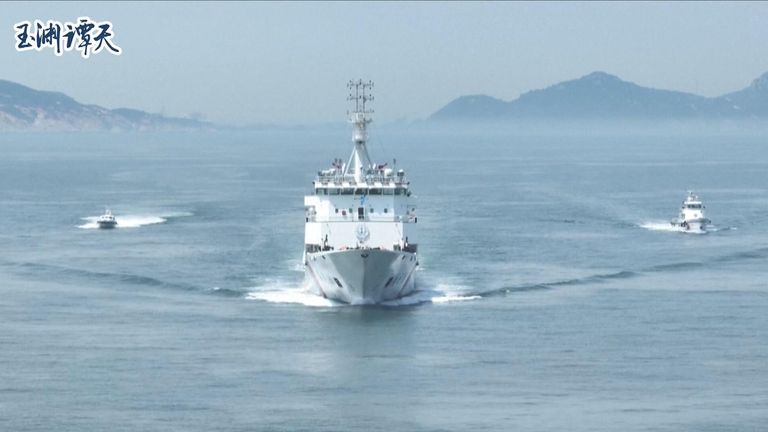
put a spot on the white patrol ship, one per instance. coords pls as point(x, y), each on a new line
point(691, 216)
point(358, 247)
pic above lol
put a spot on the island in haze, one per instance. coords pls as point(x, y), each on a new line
point(600, 95)
point(26, 109)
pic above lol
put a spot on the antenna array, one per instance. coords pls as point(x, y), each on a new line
point(359, 92)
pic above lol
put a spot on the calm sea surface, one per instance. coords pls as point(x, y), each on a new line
point(553, 295)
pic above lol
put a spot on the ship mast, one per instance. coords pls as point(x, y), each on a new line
point(359, 161)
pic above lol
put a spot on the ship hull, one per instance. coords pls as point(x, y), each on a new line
point(692, 225)
point(107, 225)
point(362, 276)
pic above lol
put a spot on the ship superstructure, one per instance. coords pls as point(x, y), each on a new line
point(358, 246)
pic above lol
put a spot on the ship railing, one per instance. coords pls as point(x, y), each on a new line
point(353, 218)
point(314, 248)
point(368, 181)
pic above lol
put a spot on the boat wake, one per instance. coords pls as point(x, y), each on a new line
point(431, 296)
point(300, 296)
point(75, 274)
point(439, 292)
point(133, 221)
point(277, 292)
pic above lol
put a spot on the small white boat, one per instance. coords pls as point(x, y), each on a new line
point(691, 217)
point(107, 220)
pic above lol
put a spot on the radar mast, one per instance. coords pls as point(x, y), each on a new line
point(359, 160)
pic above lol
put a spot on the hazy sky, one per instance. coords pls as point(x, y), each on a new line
point(288, 63)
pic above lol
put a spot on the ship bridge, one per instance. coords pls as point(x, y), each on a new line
point(377, 180)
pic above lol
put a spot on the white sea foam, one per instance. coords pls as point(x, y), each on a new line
point(454, 298)
point(292, 295)
point(277, 292)
point(280, 291)
point(430, 296)
point(169, 215)
point(452, 292)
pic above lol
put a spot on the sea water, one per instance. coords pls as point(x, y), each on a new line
point(553, 294)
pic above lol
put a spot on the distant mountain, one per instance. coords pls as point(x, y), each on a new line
point(475, 106)
point(23, 108)
point(603, 96)
point(753, 100)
